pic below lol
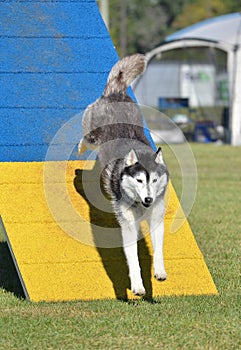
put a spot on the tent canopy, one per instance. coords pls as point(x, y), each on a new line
point(223, 32)
point(224, 29)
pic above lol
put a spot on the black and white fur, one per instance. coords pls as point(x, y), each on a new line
point(133, 174)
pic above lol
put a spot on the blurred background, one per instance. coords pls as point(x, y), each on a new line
point(192, 72)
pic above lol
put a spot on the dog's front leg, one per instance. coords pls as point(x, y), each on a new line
point(129, 236)
point(157, 236)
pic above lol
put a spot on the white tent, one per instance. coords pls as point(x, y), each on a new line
point(224, 33)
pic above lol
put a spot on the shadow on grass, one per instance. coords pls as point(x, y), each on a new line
point(113, 259)
point(9, 279)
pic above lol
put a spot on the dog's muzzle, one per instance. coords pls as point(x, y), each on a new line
point(147, 202)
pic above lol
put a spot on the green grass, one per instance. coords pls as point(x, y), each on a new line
point(194, 322)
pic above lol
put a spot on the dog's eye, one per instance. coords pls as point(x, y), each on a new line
point(139, 180)
point(154, 180)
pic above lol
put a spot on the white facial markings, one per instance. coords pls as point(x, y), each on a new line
point(128, 186)
point(153, 177)
point(143, 186)
point(141, 178)
point(161, 184)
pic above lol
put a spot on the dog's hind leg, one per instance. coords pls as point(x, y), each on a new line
point(129, 236)
point(81, 147)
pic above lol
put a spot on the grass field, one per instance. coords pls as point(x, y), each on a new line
point(194, 322)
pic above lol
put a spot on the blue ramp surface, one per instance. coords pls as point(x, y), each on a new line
point(55, 59)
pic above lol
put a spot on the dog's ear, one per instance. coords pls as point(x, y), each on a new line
point(159, 157)
point(131, 158)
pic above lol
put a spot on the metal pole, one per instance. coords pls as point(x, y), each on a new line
point(104, 9)
point(123, 27)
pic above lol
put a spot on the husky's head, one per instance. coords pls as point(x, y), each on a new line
point(144, 177)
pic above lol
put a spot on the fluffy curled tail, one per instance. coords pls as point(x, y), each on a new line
point(124, 72)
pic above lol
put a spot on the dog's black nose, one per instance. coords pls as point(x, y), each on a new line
point(148, 200)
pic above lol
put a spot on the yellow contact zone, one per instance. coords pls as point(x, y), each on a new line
point(51, 227)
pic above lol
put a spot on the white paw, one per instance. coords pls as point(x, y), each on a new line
point(138, 289)
point(161, 276)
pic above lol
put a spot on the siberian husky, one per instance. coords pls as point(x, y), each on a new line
point(134, 175)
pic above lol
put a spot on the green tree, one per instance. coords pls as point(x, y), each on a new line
point(198, 11)
point(148, 22)
point(146, 26)
point(233, 5)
